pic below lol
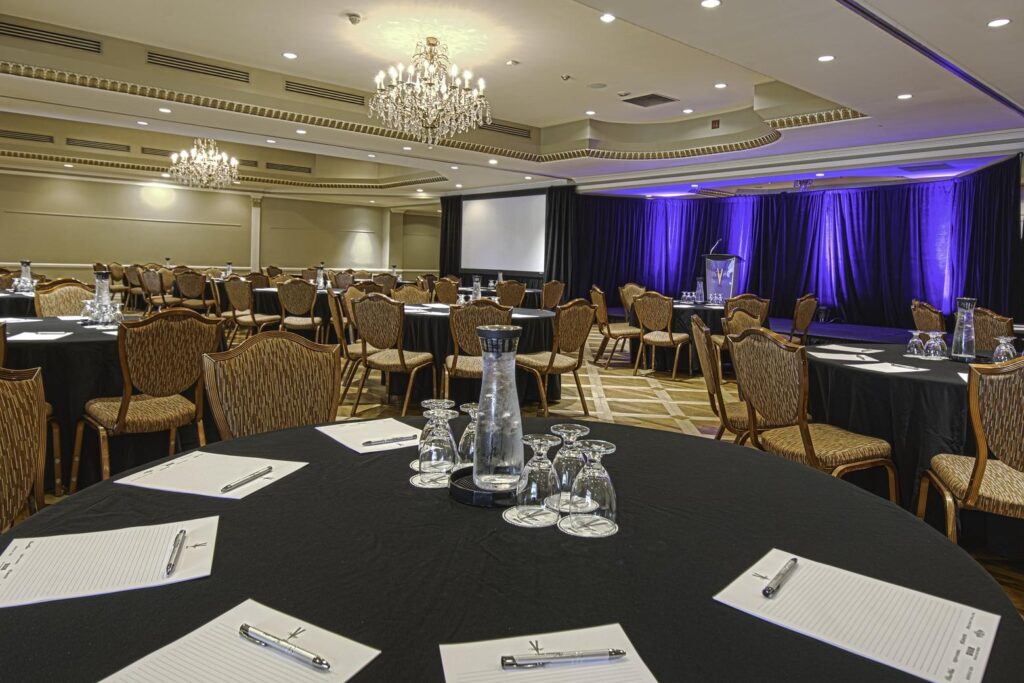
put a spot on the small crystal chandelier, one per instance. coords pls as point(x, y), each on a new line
point(429, 100)
point(204, 165)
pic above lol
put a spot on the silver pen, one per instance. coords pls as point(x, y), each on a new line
point(775, 584)
point(176, 547)
point(394, 439)
point(534, 661)
point(246, 479)
point(255, 635)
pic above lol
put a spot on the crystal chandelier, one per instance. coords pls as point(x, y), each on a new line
point(429, 100)
point(204, 165)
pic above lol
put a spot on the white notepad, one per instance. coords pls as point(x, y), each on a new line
point(929, 637)
point(480, 662)
point(204, 474)
point(20, 320)
point(77, 565)
point(963, 375)
point(216, 652)
point(39, 336)
point(846, 349)
point(71, 318)
point(841, 356)
point(889, 368)
point(353, 434)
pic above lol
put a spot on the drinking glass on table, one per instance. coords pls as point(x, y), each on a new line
point(934, 347)
point(467, 443)
point(567, 464)
point(536, 484)
point(432, 404)
point(437, 458)
point(915, 347)
point(593, 505)
point(1005, 350)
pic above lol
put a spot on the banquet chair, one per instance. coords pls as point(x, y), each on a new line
point(445, 292)
point(380, 322)
point(426, 282)
point(343, 281)
point(735, 322)
point(510, 293)
point(279, 280)
point(307, 274)
point(573, 321)
point(22, 444)
point(65, 298)
point(156, 293)
point(274, 271)
point(242, 313)
point(298, 308)
point(610, 331)
point(368, 287)
point(136, 294)
point(387, 282)
point(166, 280)
point(773, 374)
point(466, 361)
point(160, 359)
point(987, 326)
point(654, 312)
point(362, 274)
point(627, 294)
point(803, 315)
point(117, 283)
point(752, 304)
point(551, 294)
point(258, 280)
point(214, 273)
point(192, 287)
point(927, 318)
point(6, 280)
point(179, 269)
point(732, 415)
point(353, 352)
point(99, 267)
point(275, 380)
point(411, 294)
point(455, 279)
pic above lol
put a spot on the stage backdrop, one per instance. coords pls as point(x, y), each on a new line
point(865, 252)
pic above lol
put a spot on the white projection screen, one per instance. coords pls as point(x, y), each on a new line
point(504, 233)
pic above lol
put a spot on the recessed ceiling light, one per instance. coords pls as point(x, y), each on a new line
point(998, 23)
point(271, 142)
point(721, 85)
point(407, 149)
point(511, 62)
point(527, 177)
point(455, 168)
point(69, 165)
point(607, 18)
point(694, 185)
point(372, 156)
point(142, 123)
point(458, 185)
point(590, 112)
point(904, 96)
point(819, 175)
point(373, 201)
point(164, 110)
point(710, 4)
point(825, 58)
point(236, 182)
point(419, 189)
point(492, 162)
point(165, 175)
point(300, 131)
point(687, 111)
point(648, 195)
point(289, 55)
point(439, 210)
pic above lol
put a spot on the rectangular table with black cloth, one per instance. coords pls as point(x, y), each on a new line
point(347, 544)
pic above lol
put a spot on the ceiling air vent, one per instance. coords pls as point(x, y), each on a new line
point(155, 151)
point(50, 37)
point(918, 168)
point(507, 129)
point(248, 162)
point(197, 67)
point(271, 166)
point(651, 100)
point(31, 137)
point(326, 93)
point(95, 144)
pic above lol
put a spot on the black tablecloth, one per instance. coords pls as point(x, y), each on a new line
point(267, 302)
point(663, 357)
point(872, 334)
point(347, 544)
point(532, 299)
point(17, 305)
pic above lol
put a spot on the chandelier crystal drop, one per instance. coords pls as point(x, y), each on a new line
point(430, 100)
point(204, 165)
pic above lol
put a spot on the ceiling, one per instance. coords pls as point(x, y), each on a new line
point(765, 51)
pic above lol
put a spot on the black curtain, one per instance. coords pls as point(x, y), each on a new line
point(451, 236)
point(560, 225)
point(610, 245)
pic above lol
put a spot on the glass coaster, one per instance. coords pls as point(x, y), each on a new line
point(587, 526)
point(430, 481)
point(562, 503)
point(532, 516)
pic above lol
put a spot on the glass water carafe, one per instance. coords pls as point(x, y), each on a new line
point(498, 456)
point(963, 335)
point(102, 287)
point(700, 290)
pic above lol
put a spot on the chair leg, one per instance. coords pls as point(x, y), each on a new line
point(433, 380)
point(348, 380)
point(675, 361)
point(201, 431)
point(408, 390)
point(359, 391)
point(639, 355)
point(579, 388)
point(601, 348)
point(948, 503)
point(104, 453)
point(76, 454)
point(543, 392)
point(720, 432)
point(172, 442)
point(387, 388)
point(445, 382)
point(894, 492)
point(611, 355)
point(58, 474)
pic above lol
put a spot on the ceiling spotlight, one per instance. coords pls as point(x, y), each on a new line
point(694, 185)
point(710, 4)
point(373, 201)
point(439, 210)
point(904, 96)
point(142, 123)
point(492, 162)
point(687, 111)
point(721, 85)
point(607, 18)
point(300, 131)
point(458, 184)
point(372, 156)
point(271, 142)
point(590, 112)
point(825, 58)
point(419, 189)
point(289, 55)
point(407, 149)
point(455, 168)
point(527, 177)
point(164, 110)
point(819, 175)
point(511, 62)
point(998, 23)
point(165, 175)
point(69, 165)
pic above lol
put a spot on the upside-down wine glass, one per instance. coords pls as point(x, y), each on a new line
point(1005, 350)
point(915, 347)
point(437, 454)
point(467, 443)
point(429, 405)
point(568, 463)
point(536, 484)
point(934, 347)
point(593, 505)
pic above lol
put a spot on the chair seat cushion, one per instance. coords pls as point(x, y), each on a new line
point(737, 414)
point(1002, 487)
point(145, 413)
point(661, 338)
point(467, 366)
point(196, 303)
point(245, 319)
point(355, 349)
point(301, 322)
point(832, 445)
point(165, 300)
point(539, 361)
point(114, 289)
point(617, 330)
point(388, 359)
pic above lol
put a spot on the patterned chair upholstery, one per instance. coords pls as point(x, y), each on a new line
point(387, 282)
point(445, 292)
point(343, 281)
point(927, 318)
point(298, 308)
point(510, 293)
point(117, 282)
point(752, 304)
point(307, 274)
point(272, 381)
point(654, 312)
point(803, 315)
point(258, 280)
point(993, 480)
point(367, 287)
point(274, 271)
point(160, 359)
point(362, 274)
point(155, 292)
point(192, 287)
point(987, 326)
point(572, 327)
point(380, 322)
point(551, 294)
point(627, 294)
point(467, 361)
point(22, 443)
point(616, 332)
point(427, 282)
point(353, 352)
point(773, 374)
point(411, 294)
point(136, 295)
point(241, 314)
point(6, 280)
point(65, 298)
point(732, 416)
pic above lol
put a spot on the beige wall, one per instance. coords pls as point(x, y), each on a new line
point(303, 233)
point(421, 239)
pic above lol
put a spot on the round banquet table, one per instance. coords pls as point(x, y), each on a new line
point(532, 299)
point(14, 305)
point(663, 357)
point(427, 328)
point(347, 544)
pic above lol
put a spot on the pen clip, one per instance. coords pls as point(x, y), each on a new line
point(243, 631)
point(509, 662)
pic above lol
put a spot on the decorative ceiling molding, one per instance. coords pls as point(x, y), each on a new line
point(817, 118)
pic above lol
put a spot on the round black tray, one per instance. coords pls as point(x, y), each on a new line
point(462, 489)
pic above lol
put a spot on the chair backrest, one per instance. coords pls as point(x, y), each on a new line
point(379, 320)
point(362, 274)
point(239, 293)
point(445, 292)
point(751, 303)
point(273, 380)
point(573, 321)
point(166, 280)
point(455, 279)
point(62, 299)
point(161, 355)
point(99, 267)
point(465, 319)
point(279, 280)
point(116, 271)
point(996, 394)
point(598, 299)
point(177, 270)
point(551, 294)
point(701, 337)
point(411, 294)
point(510, 293)
point(803, 316)
point(297, 297)
point(343, 281)
point(927, 318)
point(214, 273)
point(274, 271)
point(426, 282)
point(368, 287)
point(308, 274)
point(258, 280)
point(628, 293)
point(152, 282)
point(987, 326)
point(738, 321)
point(6, 280)
point(336, 306)
point(654, 311)
point(387, 282)
point(134, 276)
point(191, 285)
point(353, 293)
point(22, 440)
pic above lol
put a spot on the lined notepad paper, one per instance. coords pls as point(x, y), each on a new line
point(354, 434)
point(929, 637)
point(205, 474)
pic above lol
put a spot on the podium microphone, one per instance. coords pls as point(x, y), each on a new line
point(715, 245)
